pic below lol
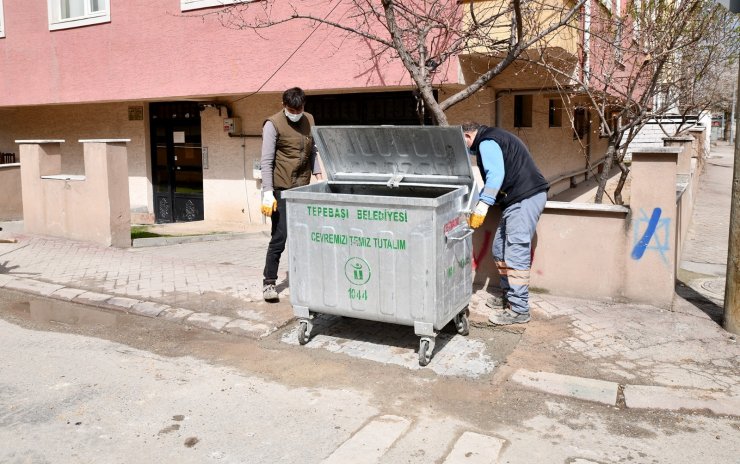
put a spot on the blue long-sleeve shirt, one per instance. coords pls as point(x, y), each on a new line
point(492, 169)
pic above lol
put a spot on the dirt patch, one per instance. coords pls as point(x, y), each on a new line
point(191, 441)
point(169, 429)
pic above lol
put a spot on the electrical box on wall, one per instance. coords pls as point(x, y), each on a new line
point(256, 170)
point(232, 125)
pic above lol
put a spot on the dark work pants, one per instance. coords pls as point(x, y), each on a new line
point(277, 242)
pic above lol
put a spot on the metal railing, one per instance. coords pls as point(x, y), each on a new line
point(571, 175)
point(7, 158)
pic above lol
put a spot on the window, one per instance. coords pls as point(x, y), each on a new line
point(360, 109)
point(581, 123)
point(186, 5)
point(64, 14)
point(555, 113)
point(2, 21)
point(522, 110)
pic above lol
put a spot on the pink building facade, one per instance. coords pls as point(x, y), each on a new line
point(169, 76)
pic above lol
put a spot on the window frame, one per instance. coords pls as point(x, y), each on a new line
point(2, 20)
point(87, 19)
point(189, 5)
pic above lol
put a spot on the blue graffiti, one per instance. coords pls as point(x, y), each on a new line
point(657, 231)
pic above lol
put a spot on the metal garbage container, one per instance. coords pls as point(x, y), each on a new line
point(385, 237)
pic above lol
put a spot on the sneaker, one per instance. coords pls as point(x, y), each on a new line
point(507, 317)
point(495, 301)
point(269, 293)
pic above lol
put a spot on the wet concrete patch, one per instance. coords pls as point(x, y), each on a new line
point(454, 355)
point(61, 312)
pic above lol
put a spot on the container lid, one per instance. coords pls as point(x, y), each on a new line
point(395, 154)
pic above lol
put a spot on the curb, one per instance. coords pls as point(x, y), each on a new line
point(175, 240)
point(581, 388)
point(635, 396)
point(202, 320)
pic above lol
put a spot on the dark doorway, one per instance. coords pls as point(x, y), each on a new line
point(177, 161)
point(361, 109)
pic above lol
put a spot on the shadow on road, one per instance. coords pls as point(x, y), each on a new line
point(709, 307)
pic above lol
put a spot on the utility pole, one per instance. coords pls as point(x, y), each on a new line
point(732, 290)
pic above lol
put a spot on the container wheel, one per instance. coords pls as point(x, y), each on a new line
point(302, 332)
point(425, 354)
point(462, 322)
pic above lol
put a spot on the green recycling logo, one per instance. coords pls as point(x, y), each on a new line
point(357, 271)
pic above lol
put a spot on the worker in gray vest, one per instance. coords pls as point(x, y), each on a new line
point(288, 158)
point(511, 180)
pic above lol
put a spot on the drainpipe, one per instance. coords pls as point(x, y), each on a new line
point(587, 42)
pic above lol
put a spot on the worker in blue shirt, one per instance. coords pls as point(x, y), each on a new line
point(511, 180)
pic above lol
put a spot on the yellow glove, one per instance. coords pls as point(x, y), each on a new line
point(478, 216)
point(269, 203)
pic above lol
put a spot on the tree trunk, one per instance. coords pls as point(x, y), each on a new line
point(437, 112)
point(732, 288)
point(608, 161)
point(622, 179)
point(427, 94)
point(728, 126)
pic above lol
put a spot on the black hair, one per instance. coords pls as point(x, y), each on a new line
point(294, 98)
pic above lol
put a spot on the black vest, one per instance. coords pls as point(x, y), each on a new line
point(522, 179)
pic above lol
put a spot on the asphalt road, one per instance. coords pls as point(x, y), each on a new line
point(83, 385)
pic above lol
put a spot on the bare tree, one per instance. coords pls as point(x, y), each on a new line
point(704, 73)
point(658, 48)
point(423, 34)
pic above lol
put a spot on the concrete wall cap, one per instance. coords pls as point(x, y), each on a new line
point(104, 140)
point(657, 151)
point(38, 142)
point(697, 129)
point(678, 139)
point(10, 165)
point(65, 177)
point(590, 207)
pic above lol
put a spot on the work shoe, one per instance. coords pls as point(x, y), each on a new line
point(269, 293)
point(507, 316)
point(495, 301)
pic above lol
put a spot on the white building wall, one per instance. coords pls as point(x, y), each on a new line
point(652, 133)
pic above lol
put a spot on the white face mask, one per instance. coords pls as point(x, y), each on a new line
point(293, 117)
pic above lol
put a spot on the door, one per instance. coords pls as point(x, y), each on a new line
point(177, 161)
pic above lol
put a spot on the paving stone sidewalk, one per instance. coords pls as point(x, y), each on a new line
point(214, 284)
